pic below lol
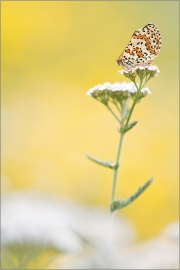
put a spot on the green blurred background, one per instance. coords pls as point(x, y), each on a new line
point(52, 53)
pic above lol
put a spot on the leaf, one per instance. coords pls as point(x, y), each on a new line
point(107, 164)
point(119, 204)
point(128, 127)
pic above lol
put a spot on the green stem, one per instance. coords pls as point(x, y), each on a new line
point(135, 100)
point(116, 168)
point(114, 181)
point(109, 108)
point(119, 110)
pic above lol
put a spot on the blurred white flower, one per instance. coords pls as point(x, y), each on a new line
point(95, 225)
point(171, 232)
point(83, 233)
point(40, 219)
point(162, 252)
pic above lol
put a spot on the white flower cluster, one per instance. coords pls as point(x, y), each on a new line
point(148, 68)
point(121, 87)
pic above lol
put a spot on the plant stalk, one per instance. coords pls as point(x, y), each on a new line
point(134, 103)
point(116, 168)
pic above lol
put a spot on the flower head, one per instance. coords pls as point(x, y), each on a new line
point(141, 71)
point(116, 92)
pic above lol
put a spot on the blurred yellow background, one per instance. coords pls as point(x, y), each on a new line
point(52, 53)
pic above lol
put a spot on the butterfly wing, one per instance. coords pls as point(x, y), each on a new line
point(143, 47)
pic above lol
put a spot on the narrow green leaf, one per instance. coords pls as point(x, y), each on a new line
point(119, 204)
point(107, 164)
point(131, 125)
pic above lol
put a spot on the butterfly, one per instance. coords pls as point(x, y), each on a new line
point(143, 47)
